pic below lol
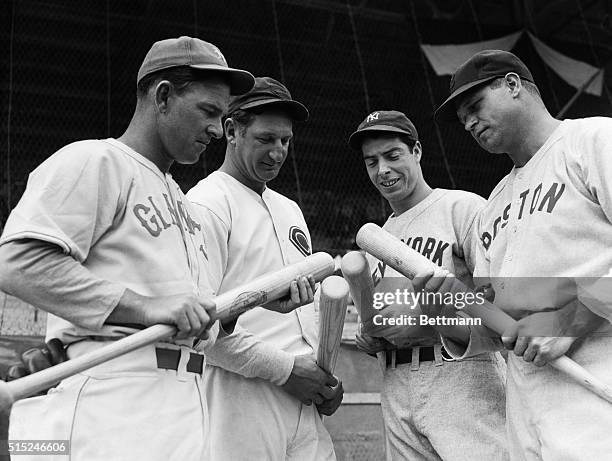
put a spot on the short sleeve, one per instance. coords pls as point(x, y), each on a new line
point(71, 199)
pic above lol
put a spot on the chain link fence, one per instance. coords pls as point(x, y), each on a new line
point(70, 68)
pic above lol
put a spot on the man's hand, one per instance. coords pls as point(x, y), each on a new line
point(309, 383)
point(545, 336)
point(329, 406)
point(191, 314)
point(370, 345)
point(301, 292)
point(36, 359)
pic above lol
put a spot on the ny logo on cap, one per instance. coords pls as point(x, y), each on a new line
point(373, 116)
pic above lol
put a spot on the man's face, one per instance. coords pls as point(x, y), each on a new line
point(486, 113)
point(192, 119)
point(392, 166)
point(263, 147)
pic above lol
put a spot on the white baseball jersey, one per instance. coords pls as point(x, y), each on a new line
point(124, 220)
point(420, 421)
point(544, 225)
point(251, 417)
point(440, 227)
point(251, 235)
point(552, 218)
point(118, 215)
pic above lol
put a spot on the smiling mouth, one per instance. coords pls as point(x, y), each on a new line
point(389, 183)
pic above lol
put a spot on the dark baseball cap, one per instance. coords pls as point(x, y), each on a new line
point(197, 54)
point(480, 68)
point(269, 92)
point(390, 121)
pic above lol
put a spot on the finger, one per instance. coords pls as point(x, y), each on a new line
point(327, 392)
point(198, 319)
point(522, 342)
point(434, 283)
point(182, 323)
point(312, 282)
point(331, 380)
point(318, 399)
point(541, 358)
point(530, 353)
point(420, 279)
point(309, 290)
point(303, 287)
point(509, 337)
point(295, 292)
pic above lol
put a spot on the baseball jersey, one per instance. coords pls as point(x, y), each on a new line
point(118, 215)
point(550, 221)
point(250, 235)
point(440, 227)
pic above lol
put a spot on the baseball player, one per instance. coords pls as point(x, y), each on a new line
point(106, 243)
point(433, 408)
point(262, 387)
point(546, 230)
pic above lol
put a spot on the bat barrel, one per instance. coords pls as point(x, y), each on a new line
point(357, 273)
point(271, 286)
point(332, 311)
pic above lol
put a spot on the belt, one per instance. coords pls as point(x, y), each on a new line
point(426, 354)
point(169, 360)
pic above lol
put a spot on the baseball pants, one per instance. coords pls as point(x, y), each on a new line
point(253, 419)
point(551, 417)
point(450, 411)
point(125, 409)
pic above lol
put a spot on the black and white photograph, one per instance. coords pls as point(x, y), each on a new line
point(306, 230)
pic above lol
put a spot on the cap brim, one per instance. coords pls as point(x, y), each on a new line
point(356, 138)
point(447, 111)
point(240, 81)
point(296, 110)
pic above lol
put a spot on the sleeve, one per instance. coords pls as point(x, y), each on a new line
point(469, 237)
point(42, 275)
point(242, 353)
point(481, 340)
point(594, 148)
point(71, 199)
point(216, 234)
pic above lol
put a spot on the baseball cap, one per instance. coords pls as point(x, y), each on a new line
point(197, 54)
point(390, 121)
point(480, 68)
point(268, 91)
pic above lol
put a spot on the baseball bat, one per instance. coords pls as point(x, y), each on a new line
point(356, 271)
point(391, 250)
point(267, 287)
point(332, 311)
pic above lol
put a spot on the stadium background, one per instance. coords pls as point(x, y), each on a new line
point(69, 68)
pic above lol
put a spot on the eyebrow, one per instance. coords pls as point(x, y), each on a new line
point(210, 106)
point(389, 151)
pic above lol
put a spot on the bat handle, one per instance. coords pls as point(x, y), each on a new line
point(583, 377)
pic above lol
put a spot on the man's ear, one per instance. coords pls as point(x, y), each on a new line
point(513, 81)
point(231, 130)
point(417, 151)
point(162, 95)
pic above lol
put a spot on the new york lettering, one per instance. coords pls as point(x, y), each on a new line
point(531, 201)
point(430, 248)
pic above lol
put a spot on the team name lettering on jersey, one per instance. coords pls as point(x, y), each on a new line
point(531, 201)
point(154, 221)
point(433, 249)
